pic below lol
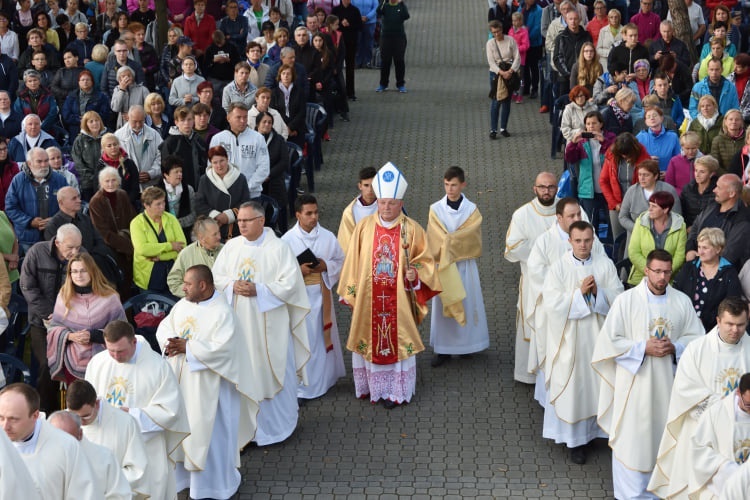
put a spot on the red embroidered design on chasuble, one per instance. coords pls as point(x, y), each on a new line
point(385, 276)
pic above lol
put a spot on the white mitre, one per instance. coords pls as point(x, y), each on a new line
point(389, 182)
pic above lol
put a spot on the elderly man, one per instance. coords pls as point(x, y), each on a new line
point(246, 148)
point(30, 136)
point(42, 275)
point(240, 89)
point(304, 52)
point(388, 278)
point(108, 479)
point(132, 377)
point(109, 75)
point(31, 200)
point(320, 260)
point(260, 277)
point(641, 341)
point(528, 222)
point(201, 342)
point(360, 207)
point(141, 143)
point(668, 44)
point(709, 370)
point(287, 56)
point(730, 215)
point(57, 464)
point(113, 429)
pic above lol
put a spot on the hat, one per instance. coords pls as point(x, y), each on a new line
point(185, 40)
point(641, 63)
point(390, 182)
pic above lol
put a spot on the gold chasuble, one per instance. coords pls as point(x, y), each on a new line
point(384, 326)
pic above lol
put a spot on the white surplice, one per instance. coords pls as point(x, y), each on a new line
point(107, 472)
point(527, 223)
point(325, 367)
point(572, 323)
point(709, 370)
point(447, 336)
point(214, 382)
point(119, 432)
point(635, 388)
point(14, 475)
point(146, 385)
point(738, 484)
point(274, 325)
point(720, 445)
point(57, 465)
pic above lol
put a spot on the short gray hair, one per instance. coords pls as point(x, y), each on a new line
point(30, 152)
point(285, 51)
point(124, 69)
point(257, 207)
point(108, 172)
point(714, 236)
point(67, 230)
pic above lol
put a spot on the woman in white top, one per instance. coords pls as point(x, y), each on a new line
point(609, 36)
point(501, 49)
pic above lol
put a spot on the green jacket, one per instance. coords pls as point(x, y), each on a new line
point(642, 242)
point(146, 244)
point(723, 148)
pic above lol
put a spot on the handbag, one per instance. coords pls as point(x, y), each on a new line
point(513, 84)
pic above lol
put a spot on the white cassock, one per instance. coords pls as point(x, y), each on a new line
point(547, 249)
point(709, 370)
point(107, 472)
point(447, 336)
point(572, 324)
point(738, 484)
point(119, 432)
point(274, 322)
point(720, 445)
point(635, 388)
point(326, 363)
point(528, 222)
point(353, 213)
point(14, 475)
point(57, 464)
point(147, 386)
point(214, 382)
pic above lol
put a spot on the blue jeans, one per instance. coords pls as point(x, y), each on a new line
point(364, 44)
point(499, 109)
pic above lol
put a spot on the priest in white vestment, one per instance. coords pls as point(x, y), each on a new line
point(57, 465)
point(14, 475)
point(578, 291)
point(636, 354)
point(709, 369)
point(527, 223)
point(202, 342)
point(360, 207)
point(259, 275)
point(721, 445)
point(546, 250)
point(738, 484)
point(454, 232)
point(130, 376)
point(107, 474)
point(114, 429)
point(309, 240)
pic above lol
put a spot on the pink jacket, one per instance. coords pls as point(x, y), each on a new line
point(521, 36)
point(326, 5)
point(679, 172)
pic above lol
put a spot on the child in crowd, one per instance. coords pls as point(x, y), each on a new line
point(520, 34)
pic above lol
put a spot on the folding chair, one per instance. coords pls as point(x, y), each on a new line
point(294, 173)
point(133, 306)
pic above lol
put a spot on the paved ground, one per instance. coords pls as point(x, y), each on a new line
point(470, 431)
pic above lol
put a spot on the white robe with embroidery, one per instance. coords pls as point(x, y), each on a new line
point(635, 388)
point(273, 321)
point(527, 223)
point(720, 444)
point(14, 475)
point(147, 386)
point(325, 367)
point(572, 324)
point(107, 472)
point(709, 370)
point(119, 432)
point(447, 336)
point(57, 465)
point(738, 484)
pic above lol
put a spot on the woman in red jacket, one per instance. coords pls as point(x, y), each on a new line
point(620, 172)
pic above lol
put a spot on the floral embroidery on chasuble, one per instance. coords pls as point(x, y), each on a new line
point(385, 276)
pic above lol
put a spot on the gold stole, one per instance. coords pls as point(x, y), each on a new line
point(314, 279)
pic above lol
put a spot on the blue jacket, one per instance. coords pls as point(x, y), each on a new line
point(17, 146)
point(367, 8)
point(71, 114)
point(532, 18)
point(727, 98)
point(665, 145)
point(236, 31)
point(22, 205)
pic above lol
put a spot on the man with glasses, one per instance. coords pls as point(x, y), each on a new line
point(647, 21)
point(709, 370)
point(636, 353)
point(527, 223)
point(260, 277)
point(116, 430)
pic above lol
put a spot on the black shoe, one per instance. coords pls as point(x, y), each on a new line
point(533, 95)
point(504, 133)
point(388, 404)
point(353, 98)
point(440, 360)
point(345, 117)
point(578, 455)
point(493, 135)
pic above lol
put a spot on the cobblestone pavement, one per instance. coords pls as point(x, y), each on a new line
point(470, 430)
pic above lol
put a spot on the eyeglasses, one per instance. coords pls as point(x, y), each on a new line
point(661, 272)
point(248, 221)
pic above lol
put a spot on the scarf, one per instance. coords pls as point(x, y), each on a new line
point(82, 289)
point(707, 123)
point(621, 115)
point(254, 65)
point(287, 93)
point(223, 185)
point(115, 163)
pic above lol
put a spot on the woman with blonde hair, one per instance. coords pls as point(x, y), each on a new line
point(156, 118)
point(85, 304)
point(96, 65)
point(730, 140)
point(707, 123)
point(87, 150)
point(587, 69)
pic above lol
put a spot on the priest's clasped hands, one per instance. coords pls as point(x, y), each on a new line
point(659, 347)
point(588, 285)
point(175, 346)
point(244, 288)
